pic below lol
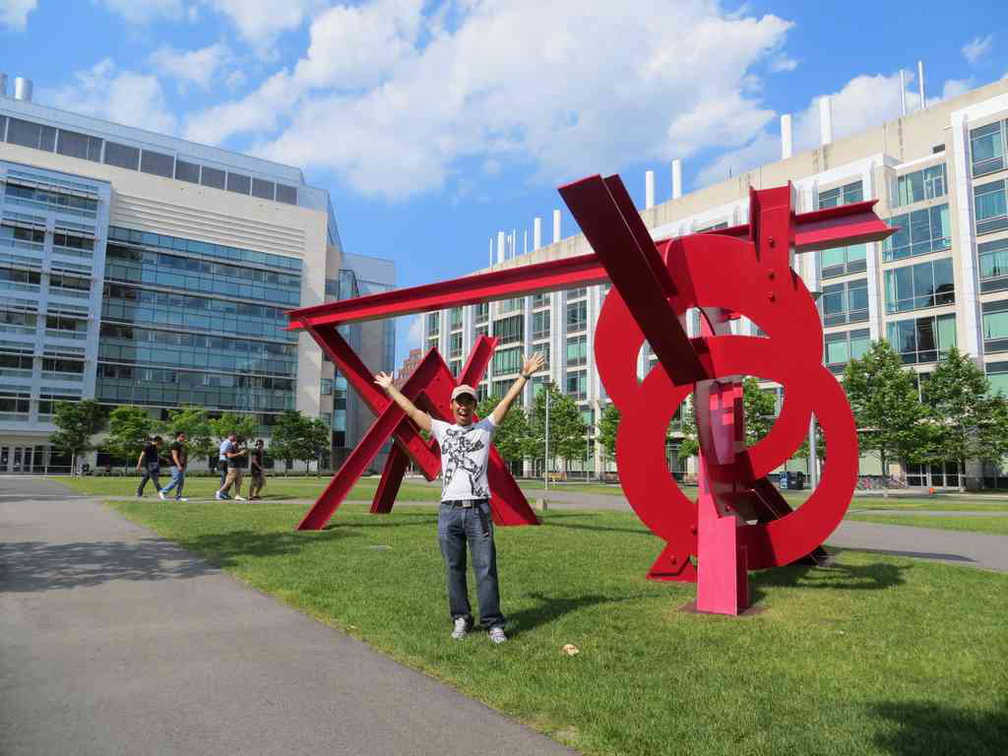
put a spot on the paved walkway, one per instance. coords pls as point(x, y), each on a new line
point(115, 641)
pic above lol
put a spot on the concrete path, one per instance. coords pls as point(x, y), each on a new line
point(928, 513)
point(114, 641)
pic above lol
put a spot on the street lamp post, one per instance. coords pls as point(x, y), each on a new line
point(546, 461)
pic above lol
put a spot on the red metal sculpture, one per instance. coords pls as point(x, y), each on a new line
point(739, 522)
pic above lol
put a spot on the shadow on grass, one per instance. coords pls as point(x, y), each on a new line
point(831, 576)
point(549, 609)
point(549, 521)
point(29, 566)
point(227, 549)
point(382, 521)
point(927, 729)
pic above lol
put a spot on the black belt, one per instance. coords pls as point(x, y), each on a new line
point(464, 503)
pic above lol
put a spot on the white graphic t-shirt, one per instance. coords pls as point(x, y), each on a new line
point(465, 451)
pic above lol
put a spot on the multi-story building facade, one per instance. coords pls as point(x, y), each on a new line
point(939, 174)
point(137, 268)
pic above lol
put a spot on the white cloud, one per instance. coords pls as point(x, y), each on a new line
point(260, 21)
point(199, 67)
point(977, 48)
point(494, 85)
point(415, 333)
point(783, 63)
point(14, 13)
point(144, 11)
point(122, 96)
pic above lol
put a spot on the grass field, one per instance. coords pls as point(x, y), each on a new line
point(991, 525)
point(872, 655)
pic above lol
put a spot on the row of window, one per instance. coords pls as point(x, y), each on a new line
point(845, 302)
point(925, 184)
point(913, 287)
point(991, 207)
point(993, 265)
point(38, 136)
point(918, 233)
point(204, 249)
point(922, 339)
point(995, 325)
point(50, 199)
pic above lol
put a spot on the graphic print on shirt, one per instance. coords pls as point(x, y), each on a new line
point(462, 453)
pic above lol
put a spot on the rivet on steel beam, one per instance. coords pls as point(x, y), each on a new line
point(772, 297)
point(771, 274)
point(772, 241)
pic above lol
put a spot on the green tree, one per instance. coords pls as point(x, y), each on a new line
point(296, 437)
point(758, 409)
point(129, 429)
point(608, 426)
point(193, 421)
point(78, 422)
point(511, 436)
point(964, 421)
point(567, 428)
point(883, 396)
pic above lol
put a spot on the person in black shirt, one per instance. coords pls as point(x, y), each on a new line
point(179, 462)
point(149, 464)
point(257, 471)
point(237, 462)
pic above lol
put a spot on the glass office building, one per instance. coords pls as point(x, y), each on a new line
point(140, 269)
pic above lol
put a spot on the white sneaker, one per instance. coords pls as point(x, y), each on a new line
point(181, 499)
point(497, 635)
point(460, 628)
point(162, 496)
point(218, 496)
point(240, 498)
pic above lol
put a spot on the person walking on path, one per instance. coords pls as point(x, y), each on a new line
point(257, 471)
point(237, 460)
point(222, 460)
point(179, 461)
point(149, 464)
point(464, 514)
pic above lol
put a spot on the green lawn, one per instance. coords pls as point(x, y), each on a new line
point(872, 655)
point(992, 525)
point(967, 503)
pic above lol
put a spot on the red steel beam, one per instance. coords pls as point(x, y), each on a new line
point(821, 229)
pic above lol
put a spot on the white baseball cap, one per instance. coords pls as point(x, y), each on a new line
point(463, 389)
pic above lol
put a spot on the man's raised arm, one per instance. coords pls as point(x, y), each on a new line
point(533, 364)
point(418, 416)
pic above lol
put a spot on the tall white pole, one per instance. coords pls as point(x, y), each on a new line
point(787, 141)
point(537, 233)
point(676, 178)
point(813, 456)
point(556, 226)
point(920, 77)
point(903, 93)
point(648, 189)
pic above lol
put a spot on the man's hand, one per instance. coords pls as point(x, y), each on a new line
point(533, 364)
point(384, 380)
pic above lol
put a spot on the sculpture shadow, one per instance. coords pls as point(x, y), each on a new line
point(551, 520)
point(930, 729)
point(830, 576)
point(550, 608)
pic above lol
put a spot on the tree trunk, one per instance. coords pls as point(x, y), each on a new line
point(73, 465)
point(962, 474)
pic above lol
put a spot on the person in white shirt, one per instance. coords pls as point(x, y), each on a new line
point(464, 515)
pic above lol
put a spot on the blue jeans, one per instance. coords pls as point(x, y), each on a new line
point(177, 481)
point(456, 527)
point(151, 470)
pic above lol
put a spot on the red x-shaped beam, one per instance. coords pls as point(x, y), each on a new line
point(429, 387)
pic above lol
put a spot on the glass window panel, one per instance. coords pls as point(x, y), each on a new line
point(993, 259)
point(80, 146)
point(263, 189)
point(187, 171)
point(287, 194)
point(857, 294)
point(946, 332)
point(836, 349)
point(860, 342)
point(157, 163)
point(904, 288)
point(920, 226)
point(212, 177)
point(857, 252)
point(944, 287)
point(925, 335)
point(995, 325)
point(239, 183)
point(990, 201)
point(987, 149)
point(122, 155)
point(833, 257)
point(923, 284)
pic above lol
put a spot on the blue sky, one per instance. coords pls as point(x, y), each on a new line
point(435, 125)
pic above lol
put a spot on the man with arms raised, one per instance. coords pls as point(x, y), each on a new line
point(464, 515)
